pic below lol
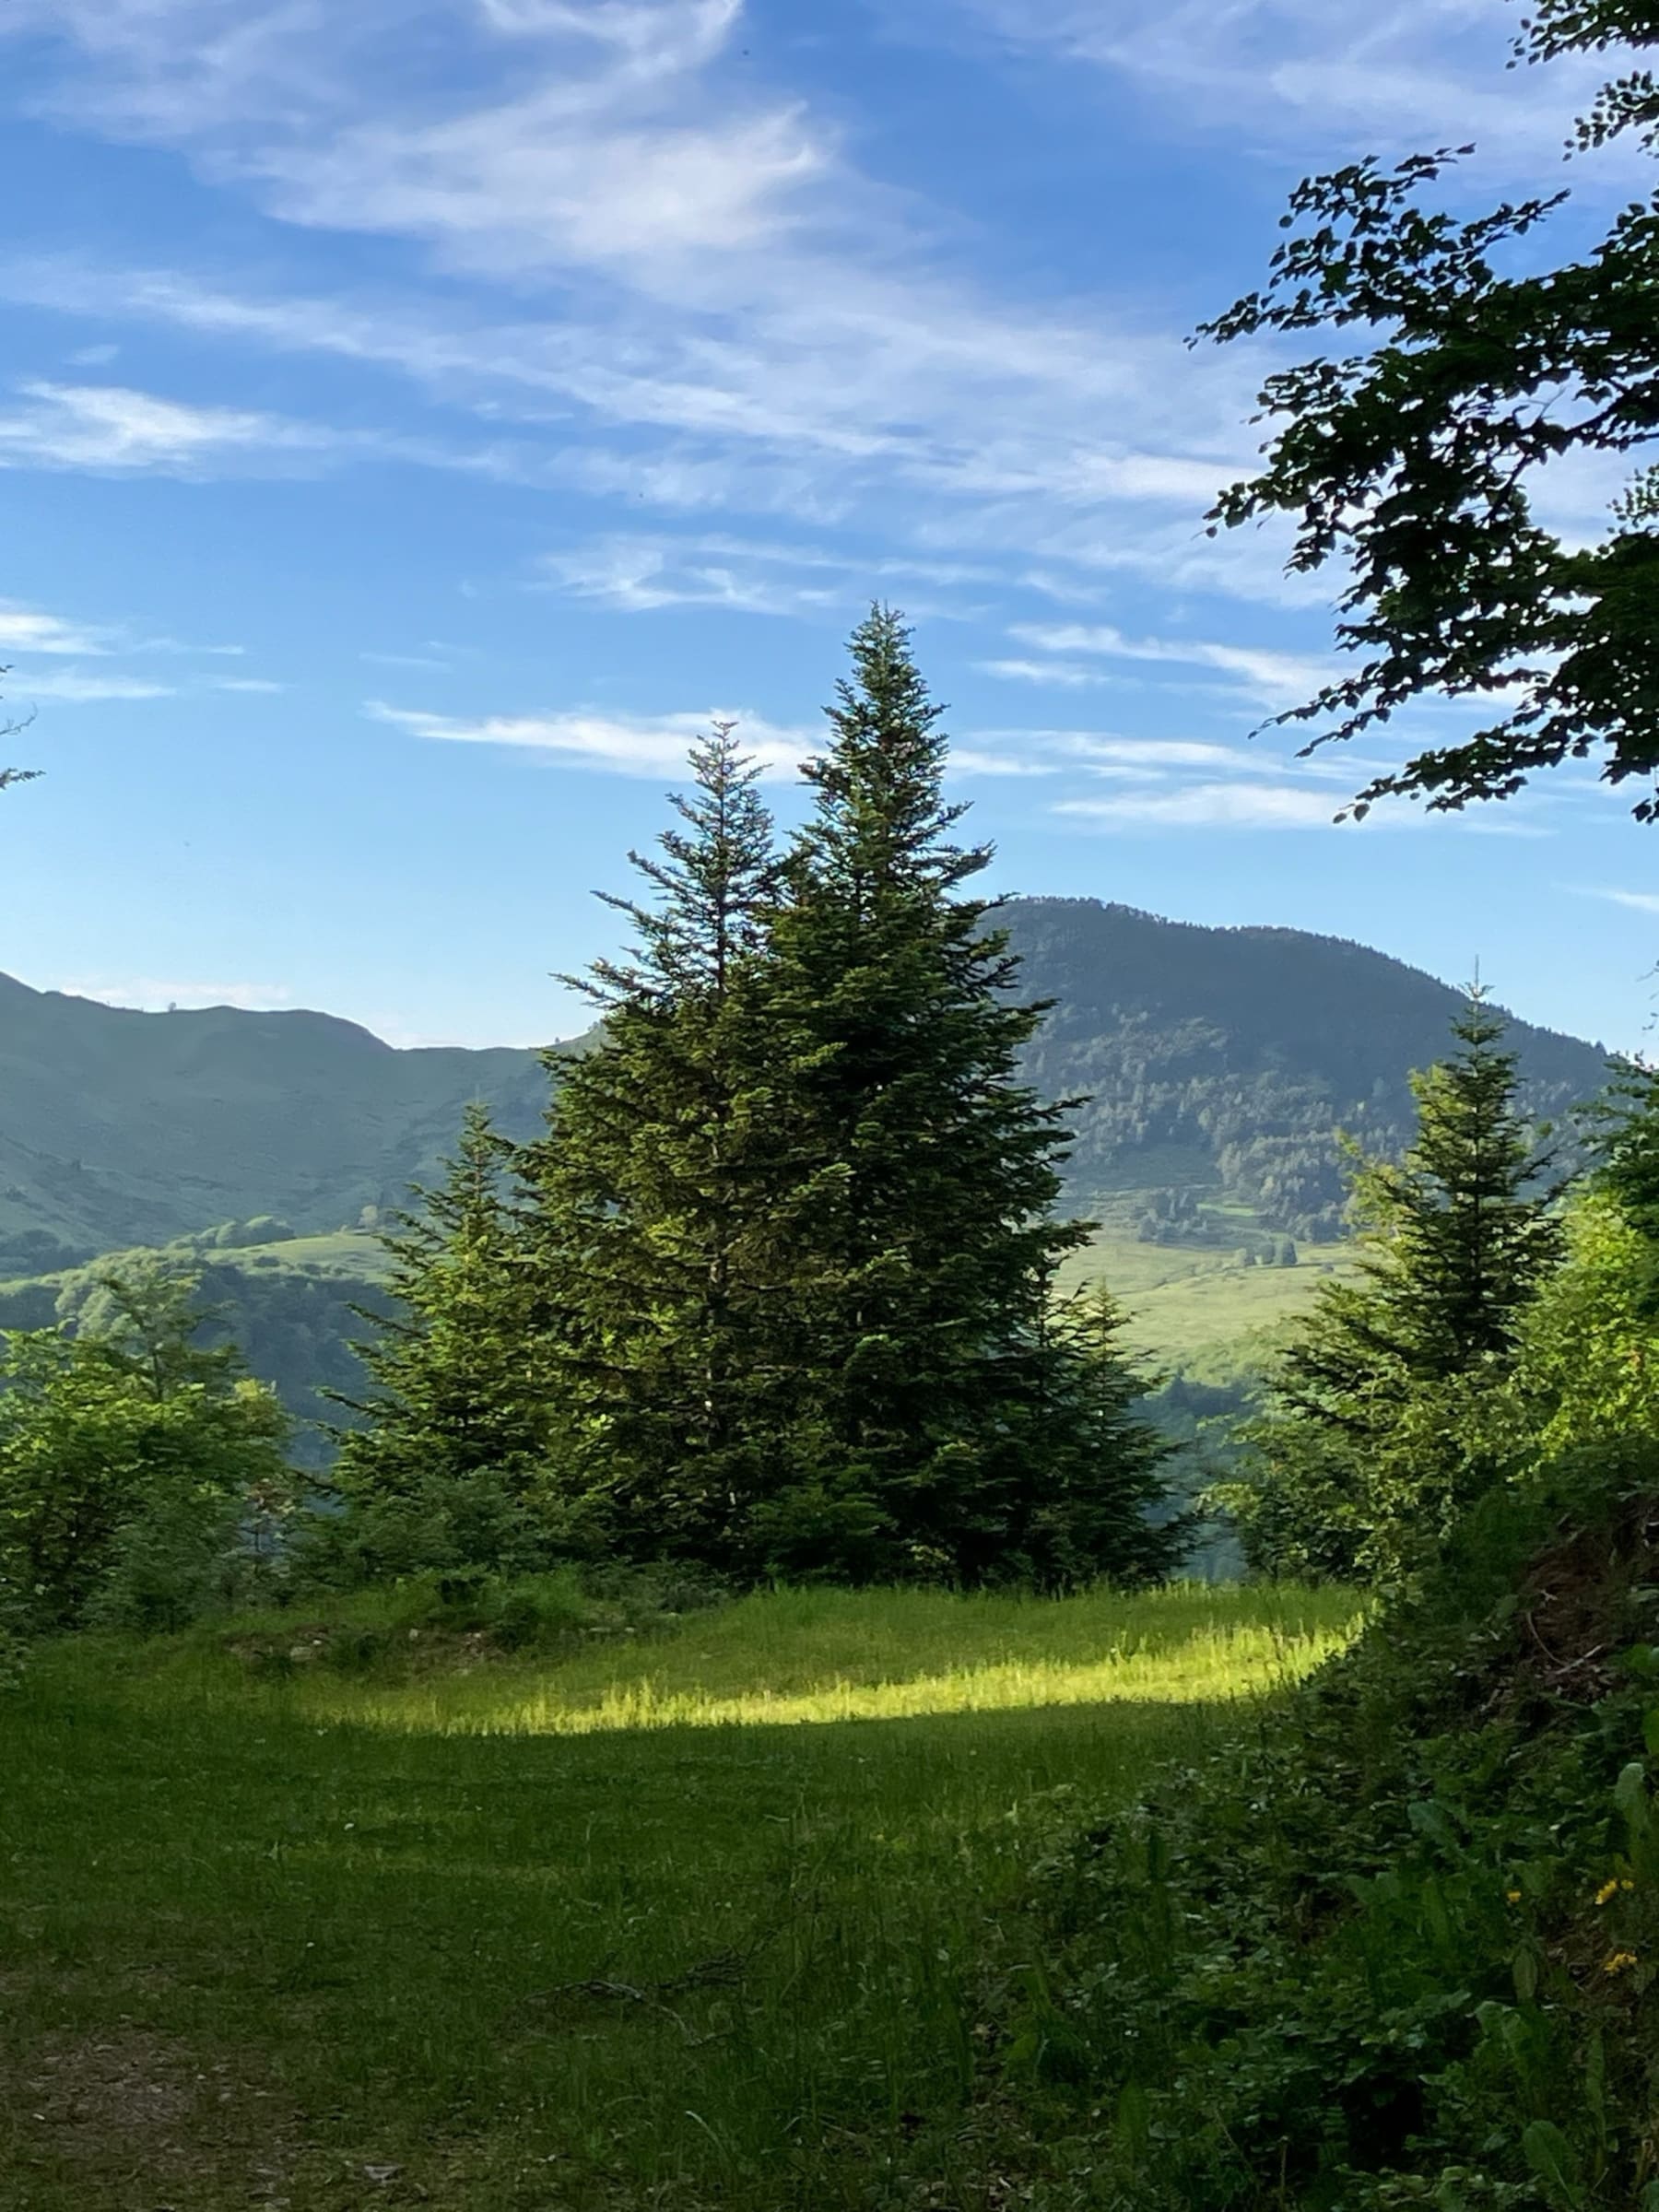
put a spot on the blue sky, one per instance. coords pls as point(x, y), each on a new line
point(419, 416)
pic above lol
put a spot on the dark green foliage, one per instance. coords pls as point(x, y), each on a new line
point(437, 1522)
point(791, 1230)
point(1394, 1948)
point(1101, 1501)
point(924, 1242)
point(1626, 1125)
point(453, 1399)
point(655, 1218)
point(132, 1465)
point(1369, 1447)
point(1418, 463)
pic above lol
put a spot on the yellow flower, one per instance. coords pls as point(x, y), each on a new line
point(1607, 1891)
point(1617, 1962)
point(1514, 1896)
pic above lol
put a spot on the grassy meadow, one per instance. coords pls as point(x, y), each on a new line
point(700, 1919)
point(1197, 1309)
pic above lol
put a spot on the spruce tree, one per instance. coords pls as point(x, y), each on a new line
point(1369, 1444)
point(654, 1221)
point(1104, 1508)
point(923, 1253)
point(443, 1466)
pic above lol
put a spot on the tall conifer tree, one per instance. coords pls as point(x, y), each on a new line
point(924, 1265)
point(655, 1223)
point(1354, 1463)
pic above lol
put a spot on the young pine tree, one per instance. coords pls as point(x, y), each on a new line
point(654, 1221)
point(923, 1249)
point(444, 1467)
point(1105, 1506)
point(1371, 1443)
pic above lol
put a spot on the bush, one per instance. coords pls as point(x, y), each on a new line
point(114, 1496)
point(176, 1560)
point(478, 1524)
point(1397, 1947)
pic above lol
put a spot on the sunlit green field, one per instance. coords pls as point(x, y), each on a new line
point(706, 1920)
point(1196, 1307)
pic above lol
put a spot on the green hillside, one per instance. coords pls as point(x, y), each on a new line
point(287, 1302)
point(1198, 1312)
point(120, 1128)
point(1218, 1064)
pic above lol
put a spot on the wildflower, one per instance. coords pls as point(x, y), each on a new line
point(1514, 1896)
point(1607, 1891)
point(1617, 1962)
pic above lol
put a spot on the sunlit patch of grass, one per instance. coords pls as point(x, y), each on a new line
point(462, 1929)
point(794, 1659)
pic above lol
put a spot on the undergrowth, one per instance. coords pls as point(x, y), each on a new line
point(1396, 1946)
point(466, 1614)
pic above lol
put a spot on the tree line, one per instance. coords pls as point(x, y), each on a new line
point(774, 1293)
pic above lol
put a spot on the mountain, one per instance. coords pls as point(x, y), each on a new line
point(1220, 1064)
point(121, 1128)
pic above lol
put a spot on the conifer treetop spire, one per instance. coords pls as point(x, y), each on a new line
point(881, 807)
point(713, 884)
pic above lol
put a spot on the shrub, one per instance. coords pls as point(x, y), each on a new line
point(479, 1523)
point(1399, 1944)
point(112, 1494)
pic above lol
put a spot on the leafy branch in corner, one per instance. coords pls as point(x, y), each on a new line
point(1418, 463)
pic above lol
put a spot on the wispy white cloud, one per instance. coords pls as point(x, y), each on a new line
point(981, 760)
point(425, 661)
point(632, 745)
point(34, 634)
point(25, 629)
point(1208, 807)
point(656, 745)
point(106, 427)
point(70, 687)
point(707, 304)
point(1641, 902)
point(1066, 676)
point(1323, 78)
point(1275, 677)
point(640, 572)
point(259, 684)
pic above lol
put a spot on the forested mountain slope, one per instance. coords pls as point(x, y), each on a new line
point(121, 1128)
point(1220, 1063)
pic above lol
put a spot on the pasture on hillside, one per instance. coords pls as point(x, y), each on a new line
point(708, 1919)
